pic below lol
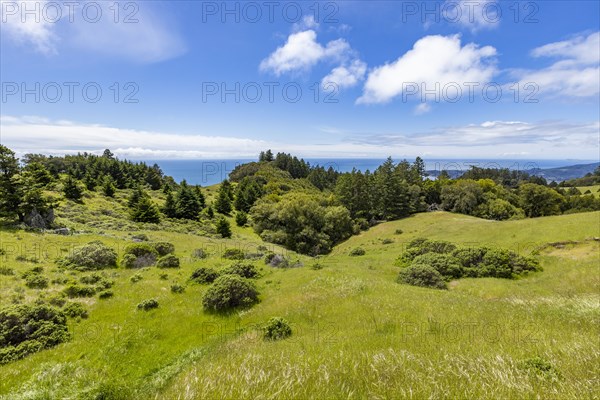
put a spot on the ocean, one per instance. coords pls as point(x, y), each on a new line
point(210, 172)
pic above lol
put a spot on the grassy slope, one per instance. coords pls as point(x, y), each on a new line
point(357, 333)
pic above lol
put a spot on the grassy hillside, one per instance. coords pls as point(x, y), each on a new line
point(357, 333)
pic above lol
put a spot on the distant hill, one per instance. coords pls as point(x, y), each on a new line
point(557, 174)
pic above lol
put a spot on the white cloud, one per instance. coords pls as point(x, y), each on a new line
point(147, 38)
point(26, 31)
point(302, 51)
point(346, 75)
point(433, 60)
point(474, 15)
point(422, 108)
point(492, 139)
point(575, 74)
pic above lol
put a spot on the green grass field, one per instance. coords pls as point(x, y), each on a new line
point(356, 332)
point(594, 189)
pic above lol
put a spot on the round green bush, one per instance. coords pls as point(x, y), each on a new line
point(141, 249)
point(245, 270)
point(75, 290)
point(357, 252)
point(168, 261)
point(75, 310)
point(106, 294)
point(26, 329)
point(234, 254)
point(164, 248)
point(177, 289)
point(277, 328)
point(36, 281)
point(229, 291)
point(422, 275)
point(93, 256)
point(148, 304)
point(204, 275)
point(445, 264)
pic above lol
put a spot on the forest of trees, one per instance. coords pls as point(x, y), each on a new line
point(287, 201)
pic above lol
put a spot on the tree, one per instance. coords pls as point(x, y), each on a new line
point(72, 189)
point(246, 194)
point(538, 201)
point(241, 218)
point(108, 187)
point(223, 227)
point(391, 191)
point(37, 174)
point(169, 208)
point(10, 194)
point(144, 209)
point(223, 201)
point(187, 203)
point(266, 156)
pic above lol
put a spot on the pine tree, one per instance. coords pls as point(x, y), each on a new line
point(72, 190)
point(9, 189)
point(223, 202)
point(108, 187)
point(210, 213)
point(223, 227)
point(89, 182)
point(241, 218)
point(169, 209)
point(187, 204)
point(143, 209)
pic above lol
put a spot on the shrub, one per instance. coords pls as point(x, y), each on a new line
point(277, 328)
point(164, 248)
point(6, 271)
point(168, 261)
point(164, 277)
point(92, 256)
point(229, 291)
point(223, 227)
point(204, 275)
point(140, 237)
point(241, 218)
point(141, 249)
point(445, 264)
point(420, 246)
point(177, 289)
point(75, 290)
point(422, 275)
point(199, 253)
point(316, 266)
point(502, 263)
point(36, 281)
point(245, 270)
point(234, 254)
point(28, 329)
point(75, 310)
point(90, 279)
point(357, 252)
point(387, 241)
point(398, 232)
point(105, 294)
point(136, 278)
point(147, 305)
point(57, 300)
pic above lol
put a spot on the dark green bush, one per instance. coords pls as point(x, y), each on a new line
point(57, 300)
point(105, 294)
point(136, 278)
point(277, 328)
point(91, 279)
point(6, 271)
point(199, 253)
point(141, 249)
point(422, 275)
point(177, 289)
point(234, 254)
point(420, 246)
point(357, 252)
point(75, 290)
point(28, 329)
point(168, 261)
point(245, 270)
point(147, 305)
point(164, 248)
point(75, 310)
point(229, 291)
point(36, 281)
point(445, 264)
point(93, 256)
point(140, 237)
point(204, 275)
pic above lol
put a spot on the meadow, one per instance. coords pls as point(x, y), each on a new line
point(356, 332)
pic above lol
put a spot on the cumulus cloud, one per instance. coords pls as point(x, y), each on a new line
point(301, 52)
point(576, 71)
point(147, 38)
point(433, 60)
point(346, 75)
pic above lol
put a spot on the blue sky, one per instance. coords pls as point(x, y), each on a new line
point(372, 58)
